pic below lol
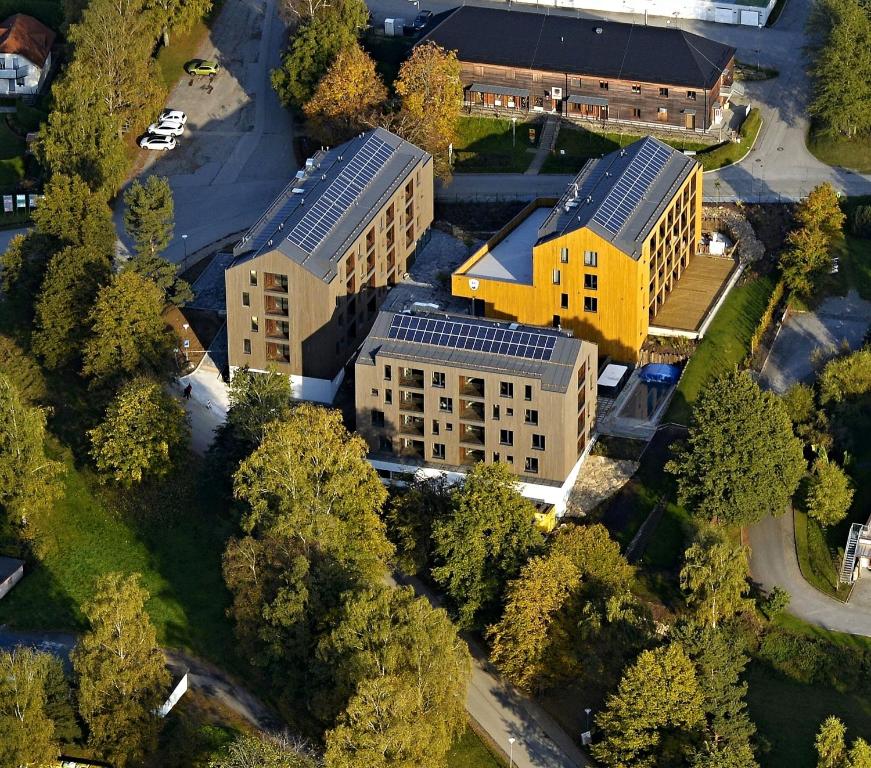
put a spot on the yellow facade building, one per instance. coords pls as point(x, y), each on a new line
point(601, 260)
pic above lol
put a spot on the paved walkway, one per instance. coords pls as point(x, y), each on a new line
point(545, 146)
point(773, 562)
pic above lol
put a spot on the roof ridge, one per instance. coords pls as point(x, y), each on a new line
point(695, 51)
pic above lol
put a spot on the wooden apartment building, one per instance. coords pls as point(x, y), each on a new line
point(517, 62)
point(310, 275)
point(602, 261)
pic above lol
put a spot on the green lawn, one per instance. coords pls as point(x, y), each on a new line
point(856, 265)
point(182, 48)
point(471, 752)
point(178, 552)
point(580, 144)
point(843, 151)
point(724, 346)
point(730, 152)
point(818, 560)
point(12, 149)
point(485, 145)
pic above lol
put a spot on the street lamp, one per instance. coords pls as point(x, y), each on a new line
point(513, 128)
point(184, 239)
point(588, 717)
point(511, 741)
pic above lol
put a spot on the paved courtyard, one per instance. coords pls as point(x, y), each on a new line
point(836, 320)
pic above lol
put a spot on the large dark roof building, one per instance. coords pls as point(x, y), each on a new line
point(587, 68)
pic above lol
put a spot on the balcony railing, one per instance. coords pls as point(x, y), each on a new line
point(471, 410)
point(412, 426)
point(413, 381)
point(412, 449)
point(275, 306)
point(409, 402)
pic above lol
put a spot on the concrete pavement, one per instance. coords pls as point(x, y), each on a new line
point(773, 562)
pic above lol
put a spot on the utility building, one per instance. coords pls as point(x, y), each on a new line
point(603, 259)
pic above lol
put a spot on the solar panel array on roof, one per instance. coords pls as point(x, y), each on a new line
point(625, 195)
point(316, 224)
point(478, 338)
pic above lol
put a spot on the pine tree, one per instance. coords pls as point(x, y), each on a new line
point(149, 215)
point(831, 744)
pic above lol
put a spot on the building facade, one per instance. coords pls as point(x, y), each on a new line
point(310, 275)
point(588, 69)
point(437, 394)
point(600, 262)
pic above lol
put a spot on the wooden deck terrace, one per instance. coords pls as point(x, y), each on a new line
point(695, 293)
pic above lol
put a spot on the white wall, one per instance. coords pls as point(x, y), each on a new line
point(316, 390)
point(703, 10)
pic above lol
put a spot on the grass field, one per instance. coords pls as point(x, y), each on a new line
point(580, 145)
point(856, 265)
point(485, 145)
point(842, 151)
point(731, 152)
point(178, 552)
point(471, 752)
point(816, 558)
point(12, 149)
point(724, 346)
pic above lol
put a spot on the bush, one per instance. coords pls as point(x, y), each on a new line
point(861, 223)
point(775, 602)
point(767, 316)
point(800, 658)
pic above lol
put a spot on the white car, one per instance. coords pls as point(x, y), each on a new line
point(176, 115)
point(157, 142)
point(166, 128)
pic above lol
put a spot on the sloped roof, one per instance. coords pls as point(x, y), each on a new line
point(25, 36)
point(590, 47)
point(318, 215)
point(600, 187)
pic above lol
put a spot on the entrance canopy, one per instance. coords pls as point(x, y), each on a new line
point(593, 101)
point(498, 90)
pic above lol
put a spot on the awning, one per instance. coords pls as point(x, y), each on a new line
point(689, 111)
point(593, 101)
point(498, 90)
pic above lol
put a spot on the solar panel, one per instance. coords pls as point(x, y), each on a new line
point(326, 211)
point(479, 338)
point(625, 195)
point(270, 229)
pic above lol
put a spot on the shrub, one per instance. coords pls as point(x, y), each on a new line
point(800, 658)
point(861, 224)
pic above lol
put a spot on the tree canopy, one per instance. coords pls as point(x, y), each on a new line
point(256, 399)
point(742, 460)
point(829, 493)
point(832, 749)
point(484, 540)
point(149, 214)
point(261, 751)
point(74, 215)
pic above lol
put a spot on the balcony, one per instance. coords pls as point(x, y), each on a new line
point(412, 449)
point(470, 456)
point(277, 353)
point(276, 306)
point(471, 434)
point(275, 283)
point(411, 401)
point(411, 377)
point(412, 425)
point(277, 329)
point(471, 410)
point(471, 386)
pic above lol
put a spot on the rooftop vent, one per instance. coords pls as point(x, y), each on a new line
point(298, 191)
point(599, 30)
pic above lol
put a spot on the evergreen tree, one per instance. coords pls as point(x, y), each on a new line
point(164, 275)
point(21, 370)
point(484, 541)
point(829, 494)
point(129, 333)
point(831, 744)
point(149, 215)
point(73, 215)
point(742, 460)
point(142, 433)
point(69, 290)
point(121, 671)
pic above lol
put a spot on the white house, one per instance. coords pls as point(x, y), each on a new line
point(25, 55)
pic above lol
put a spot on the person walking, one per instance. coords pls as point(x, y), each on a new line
point(187, 391)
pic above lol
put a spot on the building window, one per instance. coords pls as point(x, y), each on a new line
point(506, 437)
point(253, 277)
point(446, 404)
point(531, 417)
point(449, 427)
point(438, 451)
point(246, 346)
point(255, 324)
point(662, 114)
point(388, 396)
point(591, 304)
point(385, 444)
point(564, 301)
point(564, 255)
point(538, 442)
point(506, 389)
point(496, 412)
point(556, 277)
point(663, 92)
point(636, 89)
point(591, 282)
point(388, 373)
point(636, 113)
point(591, 258)
point(377, 418)
point(603, 85)
point(374, 392)
point(527, 392)
point(495, 457)
point(438, 379)
point(435, 426)
point(691, 95)
point(557, 321)
point(509, 411)
point(531, 465)
point(575, 82)
point(509, 459)
point(246, 299)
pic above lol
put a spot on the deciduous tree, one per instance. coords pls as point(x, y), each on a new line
point(742, 460)
point(177, 15)
point(256, 399)
point(262, 751)
point(845, 378)
point(403, 669)
point(73, 215)
point(72, 281)
point(829, 494)
point(806, 257)
point(659, 693)
point(821, 210)
point(121, 671)
point(129, 333)
point(484, 541)
point(27, 734)
point(21, 370)
point(432, 94)
point(142, 433)
point(347, 96)
point(410, 516)
point(714, 576)
point(149, 215)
